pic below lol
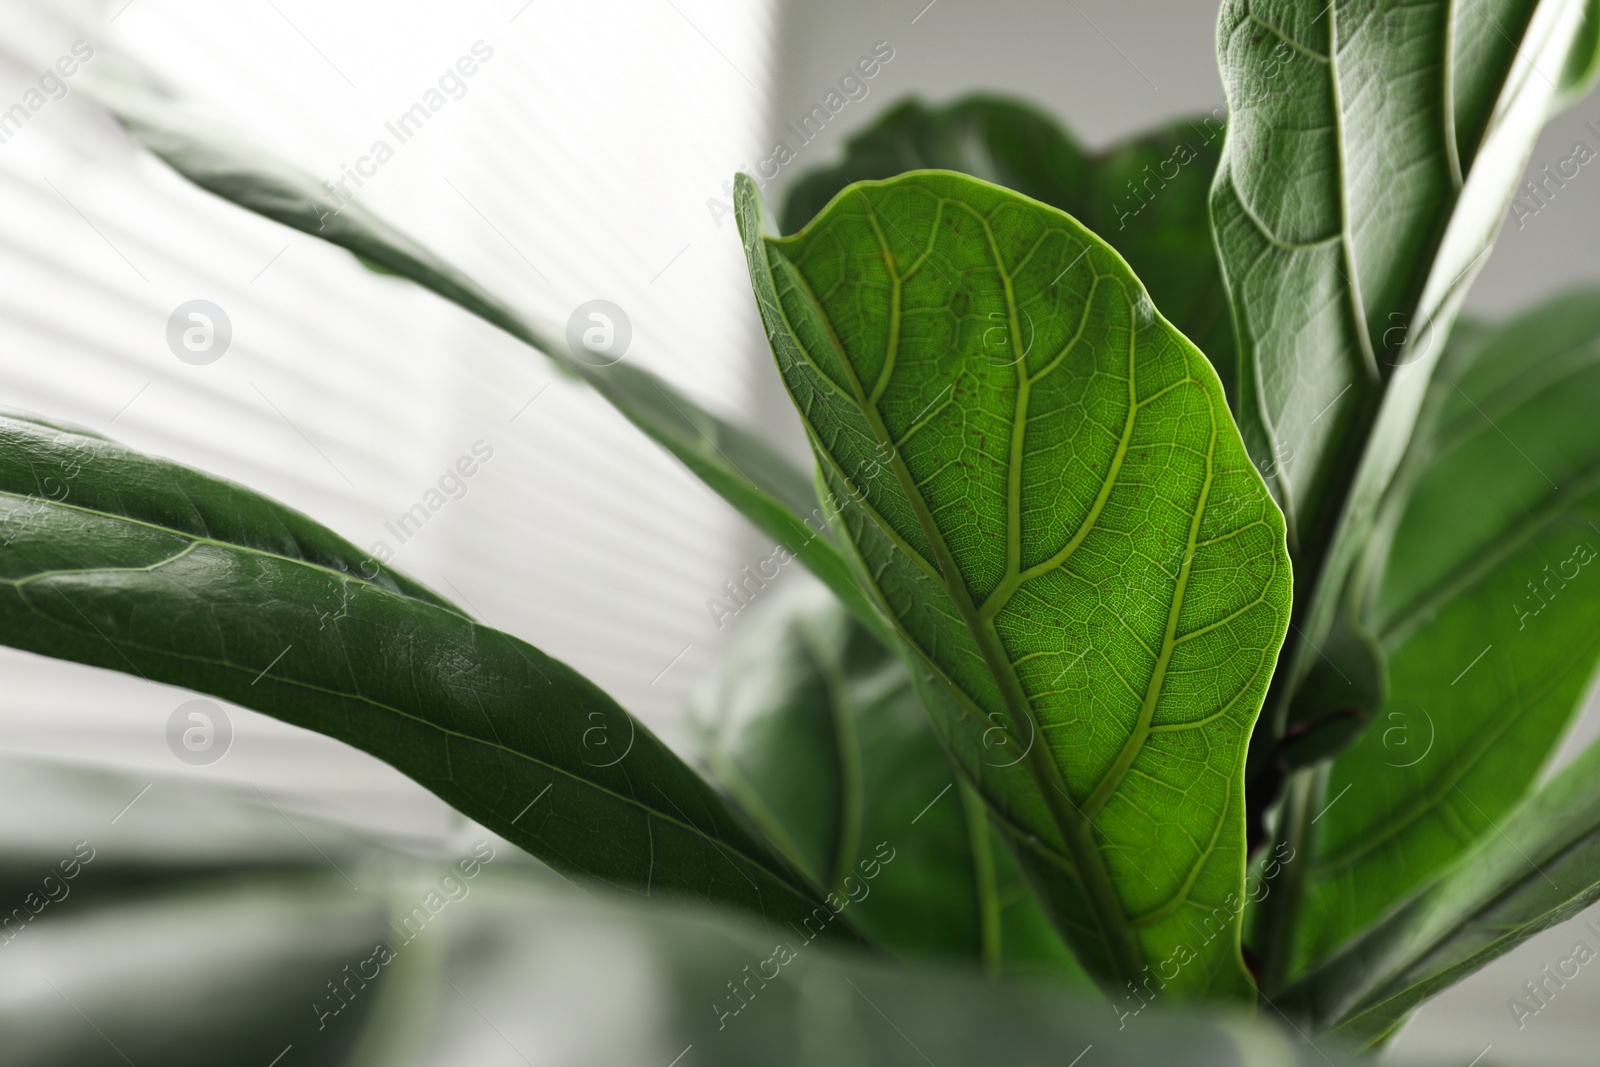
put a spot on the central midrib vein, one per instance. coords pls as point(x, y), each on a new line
point(1075, 830)
point(1169, 642)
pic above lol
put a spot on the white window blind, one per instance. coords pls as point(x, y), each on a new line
point(573, 163)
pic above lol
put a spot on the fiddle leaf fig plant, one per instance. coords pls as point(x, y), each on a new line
point(1044, 490)
point(1200, 605)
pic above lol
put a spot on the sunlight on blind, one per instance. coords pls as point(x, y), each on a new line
point(573, 163)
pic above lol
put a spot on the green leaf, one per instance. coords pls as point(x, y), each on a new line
point(1148, 198)
point(740, 467)
point(813, 729)
point(1042, 484)
point(1540, 868)
point(119, 560)
point(1487, 601)
point(1583, 62)
point(1345, 688)
point(1372, 151)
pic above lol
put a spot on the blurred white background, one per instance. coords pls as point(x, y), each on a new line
point(579, 162)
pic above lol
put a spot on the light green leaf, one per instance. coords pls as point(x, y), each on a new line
point(814, 730)
point(1042, 484)
point(1487, 600)
point(1372, 151)
point(119, 560)
point(740, 467)
point(1148, 198)
point(1542, 867)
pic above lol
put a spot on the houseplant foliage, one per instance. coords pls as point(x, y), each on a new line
point(1172, 519)
point(1062, 519)
point(206, 924)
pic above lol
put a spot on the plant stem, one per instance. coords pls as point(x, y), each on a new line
point(1279, 916)
point(983, 877)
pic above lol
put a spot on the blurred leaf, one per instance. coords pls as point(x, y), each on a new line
point(1540, 868)
point(375, 267)
point(1583, 62)
point(119, 560)
point(1344, 689)
point(511, 967)
point(1044, 487)
point(739, 466)
point(1372, 151)
point(813, 728)
point(1488, 604)
point(189, 927)
point(1147, 198)
point(202, 974)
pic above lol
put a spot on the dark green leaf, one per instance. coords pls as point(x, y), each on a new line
point(1540, 867)
point(1147, 198)
point(1583, 62)
point(814, 730)
point(1344, 689)
point(119, 560)
point(1372, 150)
point(1045, 489)
point(743, 469)
point(1487, 600)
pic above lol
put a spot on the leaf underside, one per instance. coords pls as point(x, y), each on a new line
point(1372, 148)
point(1042, 484)
point(1488, 601)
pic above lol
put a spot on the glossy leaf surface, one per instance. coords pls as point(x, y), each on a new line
point(119, 560)
point(1041, 481)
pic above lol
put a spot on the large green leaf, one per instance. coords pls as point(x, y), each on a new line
point(1044, 488)
point(119, 560)
point(739, 466)
point(1147, 197)
point(1372, 150)
point(1488, 607)
point(1541, 867)
point(814, 730)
